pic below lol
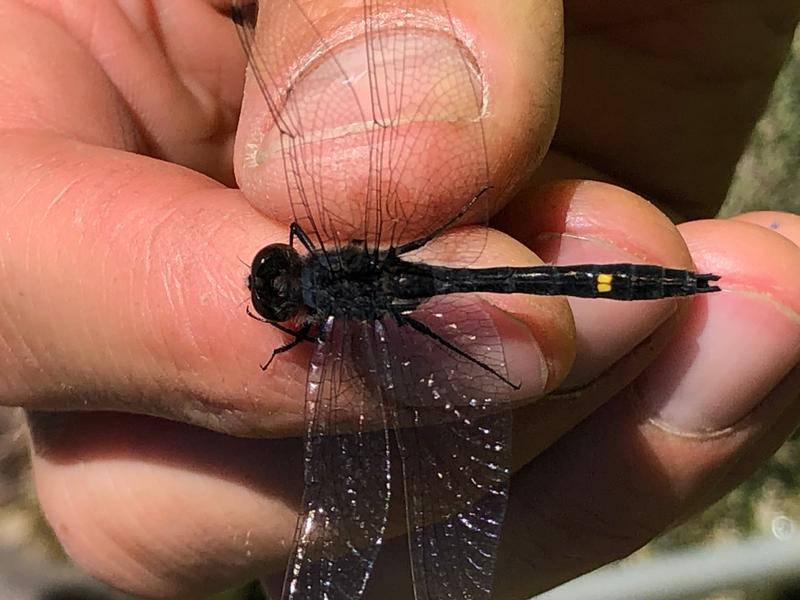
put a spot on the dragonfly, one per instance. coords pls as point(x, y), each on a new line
point(407, 373)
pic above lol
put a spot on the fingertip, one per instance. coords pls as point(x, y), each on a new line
point(518, 133)
point(580, 222)
point(540, 337)
point(591, 210)
point(735, 346)
point(749, 256)
point(334, 122)
point(785, 223)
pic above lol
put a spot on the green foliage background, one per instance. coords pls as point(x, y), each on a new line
point(767, 175)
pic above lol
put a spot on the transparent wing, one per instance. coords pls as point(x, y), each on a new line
point(454, 435)
point(455, 471)
point(377, 131)
point(377, 135)
point(346, 495)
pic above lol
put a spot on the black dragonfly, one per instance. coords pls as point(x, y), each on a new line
point(407, 366)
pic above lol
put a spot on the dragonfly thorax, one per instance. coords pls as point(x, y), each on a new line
point(347, 283)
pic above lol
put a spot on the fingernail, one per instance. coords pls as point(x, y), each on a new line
point(606, 330)
point(703, 392)
point(525, 361)
point(494, 338)
point(564, 248)
point(418, 76)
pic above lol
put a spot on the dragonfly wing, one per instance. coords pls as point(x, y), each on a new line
point(346, 494)
point(454, 436)
point(375, 133)
point(453, 556)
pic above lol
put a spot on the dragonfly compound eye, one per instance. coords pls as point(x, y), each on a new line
point(274, 282)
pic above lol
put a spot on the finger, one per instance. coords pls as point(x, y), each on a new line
point(723, 391)
point(55, 85)
point(158, 325)
point(123, 289)
point(161, 82)
point(435, 160)
point(160, 509)
point(578, 222)
point(783, 223)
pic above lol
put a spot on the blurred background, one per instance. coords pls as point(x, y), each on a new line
point(709, 551)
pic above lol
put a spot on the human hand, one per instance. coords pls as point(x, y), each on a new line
point(123, 293)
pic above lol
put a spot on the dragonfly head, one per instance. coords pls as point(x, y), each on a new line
point(275, 283)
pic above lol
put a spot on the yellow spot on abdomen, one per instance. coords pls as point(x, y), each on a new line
point(604, 281)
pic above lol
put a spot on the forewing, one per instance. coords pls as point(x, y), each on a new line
point(346, 495)
point(454, 436)
point(428, 153)
point(377, 130)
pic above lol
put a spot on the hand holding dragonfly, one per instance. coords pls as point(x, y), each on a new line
point(145, 317)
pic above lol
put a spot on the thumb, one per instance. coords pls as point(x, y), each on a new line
point(403, 121)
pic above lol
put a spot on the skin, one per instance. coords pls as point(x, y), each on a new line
point(121, 289)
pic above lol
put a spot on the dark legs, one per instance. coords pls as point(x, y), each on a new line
point(417, 244)
point(300, 335)
point(403, 319)
point(296, 231)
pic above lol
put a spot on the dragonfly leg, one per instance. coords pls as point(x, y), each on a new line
point(283, 328)
point(425, 330)
point(296, 231)
point(301, 335)
point(417, 244)
point(256, 316)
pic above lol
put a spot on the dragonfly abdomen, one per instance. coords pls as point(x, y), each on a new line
point(621, 281)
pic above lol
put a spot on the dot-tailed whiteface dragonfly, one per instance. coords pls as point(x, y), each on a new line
point(407, 365)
